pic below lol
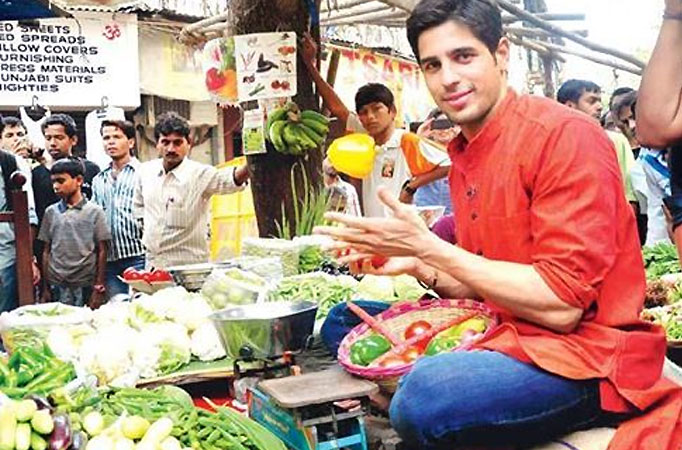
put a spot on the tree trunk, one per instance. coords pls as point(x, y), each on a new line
point(271, 171)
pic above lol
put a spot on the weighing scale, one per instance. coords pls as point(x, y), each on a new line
point(300, 409)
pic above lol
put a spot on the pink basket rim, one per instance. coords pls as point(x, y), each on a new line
point(398, 310)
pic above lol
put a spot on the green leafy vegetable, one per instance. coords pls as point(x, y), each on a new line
point(660, 259)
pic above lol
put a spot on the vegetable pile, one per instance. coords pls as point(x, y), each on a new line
point(112, 419)
point(325, 290)
point(33, 370)
point(374, 350)
point(661, 259)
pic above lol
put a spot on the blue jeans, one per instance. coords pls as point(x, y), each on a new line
point(116, 268)
point(71, 295)
point(485, 398)
point(8, 288)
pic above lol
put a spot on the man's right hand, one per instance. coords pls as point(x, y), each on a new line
point(308, 50)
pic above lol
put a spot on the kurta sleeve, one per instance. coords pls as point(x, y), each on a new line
point(574, 201)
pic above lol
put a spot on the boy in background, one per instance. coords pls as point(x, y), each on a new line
point(76, 236)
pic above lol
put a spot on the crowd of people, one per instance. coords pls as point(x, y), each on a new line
point(90, 225)
point(550, 202)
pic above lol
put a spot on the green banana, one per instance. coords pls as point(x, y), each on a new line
point(316, 126)
point(276, 115)
point(314, 115)
point(291, 140)
point(312, 134)
point(306, 142)
point(275, 135)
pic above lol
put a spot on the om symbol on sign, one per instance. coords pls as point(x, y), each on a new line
point(112, 32)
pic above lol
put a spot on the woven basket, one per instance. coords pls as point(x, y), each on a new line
point(397, 319)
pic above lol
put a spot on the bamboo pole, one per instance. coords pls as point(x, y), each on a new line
point(593, 58)
point(526, 16)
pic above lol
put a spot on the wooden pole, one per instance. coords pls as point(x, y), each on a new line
point(526, 16)
point(593, 58)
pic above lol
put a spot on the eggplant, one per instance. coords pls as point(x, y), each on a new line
point(79, 441)
point(41, 402)
point(61, 436)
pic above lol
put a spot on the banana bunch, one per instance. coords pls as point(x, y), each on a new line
point(293, 131)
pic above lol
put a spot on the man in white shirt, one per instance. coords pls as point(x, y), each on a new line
point(172, 196)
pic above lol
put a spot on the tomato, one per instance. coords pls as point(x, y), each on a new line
point(412, 353)
point(417, 328)
point(378, 261)
point(214, 79)
point(393, 361)
point(131, 274)
point(146, 276)
point(160, 276)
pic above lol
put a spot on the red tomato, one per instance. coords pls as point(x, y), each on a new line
point(131, 274)
point(393, 361)
point(411, 354)
point(417, 328)
point(214, 79)
point(159, 275)
point(378, 261)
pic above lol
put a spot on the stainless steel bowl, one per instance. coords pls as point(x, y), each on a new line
point(267, 329)
point(192, 276)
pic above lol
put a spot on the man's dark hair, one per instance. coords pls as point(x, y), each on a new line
point(171, 122)
point(125, 126)
point(627, 99)
point(372, 93)
point(571, 90)
point(482, 17)
point(12, 122)
point(618, 92)
point(61, 119)
point(72, 166)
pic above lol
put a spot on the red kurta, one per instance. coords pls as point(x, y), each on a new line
point(540, 184)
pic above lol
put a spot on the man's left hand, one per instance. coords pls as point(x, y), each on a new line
point(241, 175)
point(404, 234)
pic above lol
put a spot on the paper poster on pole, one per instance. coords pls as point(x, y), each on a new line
point(266, 65)
point(253, 137)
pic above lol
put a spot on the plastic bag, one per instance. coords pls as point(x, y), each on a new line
point(286, 251)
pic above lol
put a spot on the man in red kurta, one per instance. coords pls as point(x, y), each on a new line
point(545, 238)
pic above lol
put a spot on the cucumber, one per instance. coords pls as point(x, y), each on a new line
point(8, 427)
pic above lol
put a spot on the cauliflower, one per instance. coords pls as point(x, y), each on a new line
point(108, 353)
point(117, 313)
point(191, 312)
point(65, 342)
point(206, 344)
point(163, 347)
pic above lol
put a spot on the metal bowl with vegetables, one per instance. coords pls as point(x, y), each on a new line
point(267, 329)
